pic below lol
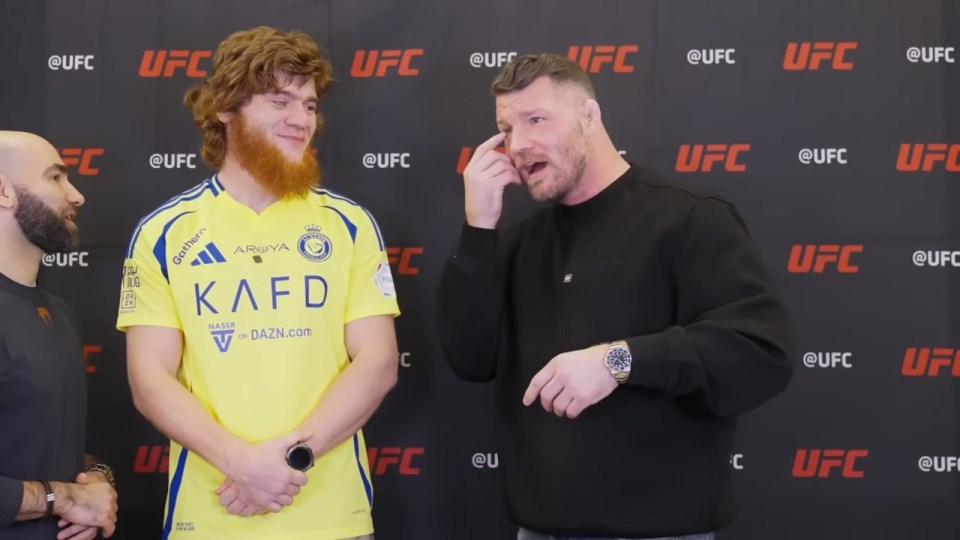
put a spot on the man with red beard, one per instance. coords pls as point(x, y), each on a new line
point(259, 313)
point(43, 387)
point(635, 313)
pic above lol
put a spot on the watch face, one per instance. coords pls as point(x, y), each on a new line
point(618, 359)
point(300, 457)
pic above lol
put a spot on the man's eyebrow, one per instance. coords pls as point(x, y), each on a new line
point(56, 167)
point(291, 95)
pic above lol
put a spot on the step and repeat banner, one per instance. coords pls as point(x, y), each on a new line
point(833, 125)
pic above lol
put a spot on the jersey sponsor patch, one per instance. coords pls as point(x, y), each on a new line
point(383, 279)
point(222, 339)
point(131, 279)
point(128, 302)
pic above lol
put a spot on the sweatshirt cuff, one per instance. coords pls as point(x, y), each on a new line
point(477, 250)
point(11, 498)
point(650, 367)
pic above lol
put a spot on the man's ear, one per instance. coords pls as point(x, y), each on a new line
point(590, 116)
point(7, 197)
point(225, 117)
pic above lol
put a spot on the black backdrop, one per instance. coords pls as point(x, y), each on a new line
point(736, 95)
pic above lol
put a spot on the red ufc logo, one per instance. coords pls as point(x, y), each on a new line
point(927, 362)
point(807, 56)
point(381, 459)
point(165, 63)
point(376, 63)
point(922, 157)
point(87, 351)
point(81, 157)
point(401, 258)
point(591, 58)
point(819, 463)
point(152, 459)
point(816, 258)
point(701, 157)
point(467, 152)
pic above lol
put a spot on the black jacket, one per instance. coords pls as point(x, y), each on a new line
point(674, 272)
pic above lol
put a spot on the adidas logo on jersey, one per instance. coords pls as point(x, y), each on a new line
point(208, 255)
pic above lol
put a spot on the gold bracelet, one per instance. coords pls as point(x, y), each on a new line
point(105, 470)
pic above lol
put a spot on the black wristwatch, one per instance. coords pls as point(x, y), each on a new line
point(300, 457)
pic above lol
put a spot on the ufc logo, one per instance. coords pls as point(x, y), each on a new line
point(934, 259)
point(376, 63)
point(592, 59)
point(819, 463)
point(931, 55)
point(388, 160)
point(87, 351)
point(710, 56)
point(74, 258)
point(922, 157)
point(70, 62)
point(467, 152)
point(927, 362)
point(173, 161)
point(382, 459)
point(823, 156)
point(702, 157)
point(827, 360)
point(401, 259)
point(163, 63)
point(491, 59)
point(807, 56)
point(152, 459)
point(81, 157)
point(817, 258)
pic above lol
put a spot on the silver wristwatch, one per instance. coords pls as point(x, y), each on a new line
point(618, 359)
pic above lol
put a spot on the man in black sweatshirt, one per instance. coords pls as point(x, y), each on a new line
point(45, 490)
point(627, 325)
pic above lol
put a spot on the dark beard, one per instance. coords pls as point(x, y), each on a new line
point(566, 185)
point(41, 225)
point(271, 169)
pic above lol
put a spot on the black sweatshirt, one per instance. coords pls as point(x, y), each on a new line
point(43, 401)
point(674, 272)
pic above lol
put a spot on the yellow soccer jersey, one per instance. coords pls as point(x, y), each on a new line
point(262, 300)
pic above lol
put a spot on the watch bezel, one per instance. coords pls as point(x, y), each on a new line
point(300, 457)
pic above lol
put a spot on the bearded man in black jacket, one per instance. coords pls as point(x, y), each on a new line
point(627, 325)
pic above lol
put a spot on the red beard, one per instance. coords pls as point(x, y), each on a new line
point(268, 166)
